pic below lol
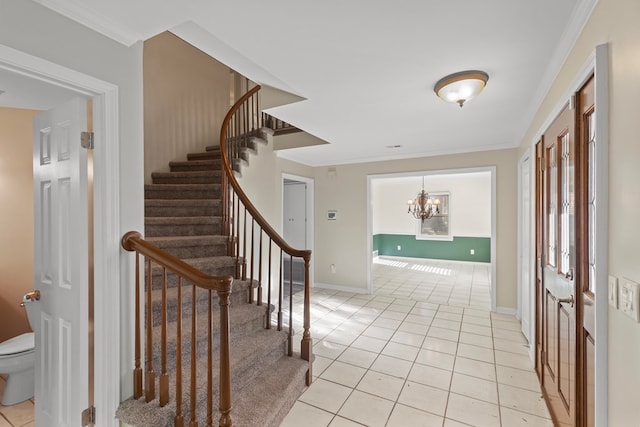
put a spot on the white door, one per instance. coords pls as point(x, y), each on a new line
point(295, 214)
point(525, 239)
point(61, 264)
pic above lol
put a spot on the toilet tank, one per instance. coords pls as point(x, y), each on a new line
point(32, 307)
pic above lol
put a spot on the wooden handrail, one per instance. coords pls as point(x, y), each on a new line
point(255, 213)
point(133, 242)
point(243, 122)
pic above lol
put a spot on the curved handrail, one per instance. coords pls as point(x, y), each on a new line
point(253, 211)
point(240, 119)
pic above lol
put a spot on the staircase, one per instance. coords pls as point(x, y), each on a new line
point(183, 216)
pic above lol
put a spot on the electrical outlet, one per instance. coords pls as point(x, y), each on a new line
point(629, 296)
point(399, 247)
point(333, 268)
point(613, 291)
point(472, 251)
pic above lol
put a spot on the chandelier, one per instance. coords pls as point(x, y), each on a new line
point(423, 207)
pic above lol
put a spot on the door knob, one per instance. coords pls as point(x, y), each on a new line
point(30, 297)
point(571, 300)
point(569, 274)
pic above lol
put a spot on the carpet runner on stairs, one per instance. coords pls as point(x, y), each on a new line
point(182, 217)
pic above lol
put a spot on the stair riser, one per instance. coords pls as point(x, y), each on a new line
point(172, 279)
point(208, 155)
point(211, 209)
point(209, 178)
point(236, 331)
point(238, 297)
point(171, 193)
point(207, 165)
point(200, 251)
point(158, 230)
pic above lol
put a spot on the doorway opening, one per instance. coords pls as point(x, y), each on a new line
point(28, 72)
point(464, 233)
point(297, 224)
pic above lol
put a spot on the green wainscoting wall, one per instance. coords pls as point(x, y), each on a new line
point(459, 249)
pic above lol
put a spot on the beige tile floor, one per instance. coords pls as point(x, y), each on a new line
point(20, 415)
point(423, 350)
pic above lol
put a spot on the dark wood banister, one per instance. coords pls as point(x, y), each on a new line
point(133, 242)
point(277, 239)
point(274, 236)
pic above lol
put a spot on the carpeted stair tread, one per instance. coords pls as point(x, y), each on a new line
point(182, 226)
point(271, 395)
point(239, 296)
point(139, 413)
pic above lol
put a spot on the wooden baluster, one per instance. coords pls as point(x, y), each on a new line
point(260, 269)
point(137, 371)
point(244, 250)
point(237, 238)
point(231, 243)
point(194, 421)
point(268, 312)
point(251, 259)
point(150, 377)
point(164, 377)
point(209, 361)
point(280, 288)
point(306, 348)
point(179, 419)
point(224, 290)
point(290, 335)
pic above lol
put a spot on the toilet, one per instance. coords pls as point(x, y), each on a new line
point(18, 358)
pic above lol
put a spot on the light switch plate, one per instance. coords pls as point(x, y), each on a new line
point(629, 298)
point(613, 291)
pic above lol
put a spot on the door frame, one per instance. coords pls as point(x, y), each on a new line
point(309, 195)
point(598, 65)
point(525, 249)
point(106, 217)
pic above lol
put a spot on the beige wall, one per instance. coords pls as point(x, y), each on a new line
point(615, 22)
point(344, 242)
point(186, 96)
point(16, 218)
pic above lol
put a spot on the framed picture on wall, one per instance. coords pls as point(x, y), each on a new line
point(438, 227)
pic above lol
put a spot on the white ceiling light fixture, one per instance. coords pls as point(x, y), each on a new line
point(461, 87)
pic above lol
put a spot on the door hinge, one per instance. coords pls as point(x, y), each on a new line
point(89, 416)
point(86, 140)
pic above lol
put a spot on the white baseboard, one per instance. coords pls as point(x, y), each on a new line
point(340, 288)
point(506, 310)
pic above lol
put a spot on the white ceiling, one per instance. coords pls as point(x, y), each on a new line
point(19, 91)
point(367, 67)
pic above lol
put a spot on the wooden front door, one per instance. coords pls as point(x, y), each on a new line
point(558, 268)
point(565, 207)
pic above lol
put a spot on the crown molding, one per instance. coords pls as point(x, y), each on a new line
point(581, 14)
point(80, 13)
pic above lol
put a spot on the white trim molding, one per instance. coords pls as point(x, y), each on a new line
point(106, 216)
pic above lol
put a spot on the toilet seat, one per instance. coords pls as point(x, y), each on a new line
point(21, 344)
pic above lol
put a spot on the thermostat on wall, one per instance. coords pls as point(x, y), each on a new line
point(332, 215)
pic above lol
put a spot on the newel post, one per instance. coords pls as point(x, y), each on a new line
point(224, 290)
point(305, 345)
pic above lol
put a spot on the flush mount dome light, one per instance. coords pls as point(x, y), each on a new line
point(461, 87)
